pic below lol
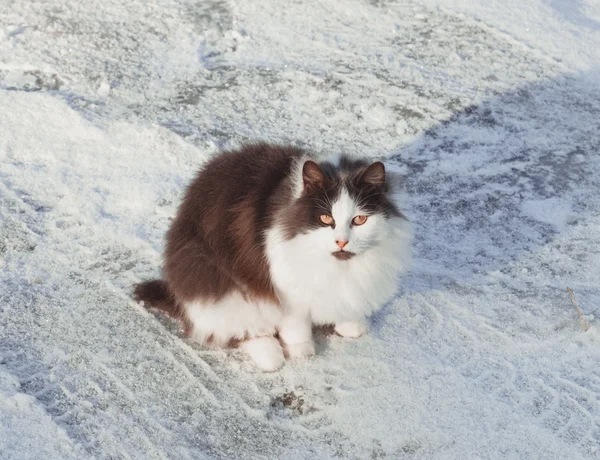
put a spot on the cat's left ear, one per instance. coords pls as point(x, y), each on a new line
point(374, 175)
point(312, 175)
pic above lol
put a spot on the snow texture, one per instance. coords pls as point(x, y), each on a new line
point(490, 108)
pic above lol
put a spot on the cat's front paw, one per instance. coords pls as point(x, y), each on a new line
point(266, 352)
point(300, 350)
point(351, 329)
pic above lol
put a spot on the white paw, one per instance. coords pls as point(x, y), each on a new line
point(265, 352)
point(300, 350)
point(351, 329)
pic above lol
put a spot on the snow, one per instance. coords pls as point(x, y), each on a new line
point(491, 109)
point(28, 432)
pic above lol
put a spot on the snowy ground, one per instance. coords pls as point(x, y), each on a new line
point(491, 108)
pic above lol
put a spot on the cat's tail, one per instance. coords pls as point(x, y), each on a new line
point(156, 294)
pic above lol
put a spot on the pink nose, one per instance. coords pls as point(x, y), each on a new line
point(341, 243)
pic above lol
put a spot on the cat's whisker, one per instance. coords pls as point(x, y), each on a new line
point(366, 198)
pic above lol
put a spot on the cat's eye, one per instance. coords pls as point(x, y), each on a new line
point(326, 219)
point(359, 220)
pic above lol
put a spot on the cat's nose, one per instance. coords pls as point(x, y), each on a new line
point(341, 243)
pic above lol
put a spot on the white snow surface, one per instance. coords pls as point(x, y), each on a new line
point(491, 109)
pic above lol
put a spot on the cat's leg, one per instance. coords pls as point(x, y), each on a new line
point(295, 332)
point(352, 329)
point(233, 319)
point(266, 352)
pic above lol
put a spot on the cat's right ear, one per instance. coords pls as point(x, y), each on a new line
point(312, 175)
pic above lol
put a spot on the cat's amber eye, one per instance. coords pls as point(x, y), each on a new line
point(327, 220)
point(359, 220)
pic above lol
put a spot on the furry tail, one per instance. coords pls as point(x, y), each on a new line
point(156, 294)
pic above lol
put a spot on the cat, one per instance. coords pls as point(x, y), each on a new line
point(269, 242)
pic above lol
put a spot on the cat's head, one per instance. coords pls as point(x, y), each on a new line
point(344, 209)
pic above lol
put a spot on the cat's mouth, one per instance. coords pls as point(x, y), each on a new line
point(343, 255)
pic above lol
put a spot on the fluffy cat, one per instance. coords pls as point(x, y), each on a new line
point(269, 242)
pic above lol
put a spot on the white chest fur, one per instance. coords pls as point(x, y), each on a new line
point(311, 280)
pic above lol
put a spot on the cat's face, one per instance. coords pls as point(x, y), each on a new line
point(343, 210)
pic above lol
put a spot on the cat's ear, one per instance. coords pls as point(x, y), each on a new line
point(374, 175)
point(312, 175)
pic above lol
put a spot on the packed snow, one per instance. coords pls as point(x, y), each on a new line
point(490, 109)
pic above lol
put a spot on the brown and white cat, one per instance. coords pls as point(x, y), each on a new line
point(268, 242)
